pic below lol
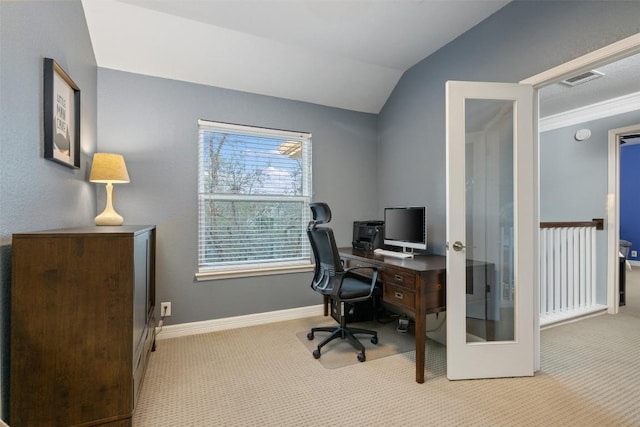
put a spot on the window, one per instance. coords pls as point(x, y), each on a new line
point(254, 189)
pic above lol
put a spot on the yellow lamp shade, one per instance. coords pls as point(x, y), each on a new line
point(109, 167)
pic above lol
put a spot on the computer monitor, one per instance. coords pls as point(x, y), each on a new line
point(406, 227)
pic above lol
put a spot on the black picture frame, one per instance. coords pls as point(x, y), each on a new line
point(61, 116)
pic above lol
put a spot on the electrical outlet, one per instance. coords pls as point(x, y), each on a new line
point(165, 309)
point(634, 254)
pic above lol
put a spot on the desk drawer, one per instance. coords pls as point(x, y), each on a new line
point(350, 263)
point(366, 272)
point(399, 278)
point(399, 296)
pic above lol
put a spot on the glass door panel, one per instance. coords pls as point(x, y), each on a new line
point(489, 217)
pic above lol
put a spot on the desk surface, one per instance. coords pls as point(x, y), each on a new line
point(421, 262)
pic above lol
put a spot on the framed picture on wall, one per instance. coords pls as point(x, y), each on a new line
point(61, 116)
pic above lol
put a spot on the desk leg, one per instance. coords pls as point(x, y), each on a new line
point(420, 345)
point(421, 331)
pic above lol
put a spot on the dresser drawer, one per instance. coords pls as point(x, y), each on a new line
point(391, 276)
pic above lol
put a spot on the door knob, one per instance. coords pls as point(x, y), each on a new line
point(458, 246)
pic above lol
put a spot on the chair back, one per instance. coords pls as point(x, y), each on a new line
point(325, 250)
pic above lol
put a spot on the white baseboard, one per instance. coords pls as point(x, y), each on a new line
point(206, 326)
point(553, 320)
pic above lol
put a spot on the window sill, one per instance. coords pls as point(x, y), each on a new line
point(234, 274)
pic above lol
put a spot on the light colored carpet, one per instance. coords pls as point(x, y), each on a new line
point(265, 376)
point(339, 353)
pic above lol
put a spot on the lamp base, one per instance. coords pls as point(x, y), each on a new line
point(109, 218)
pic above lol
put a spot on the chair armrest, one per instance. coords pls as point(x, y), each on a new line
point(374, 275)
point(337, 285)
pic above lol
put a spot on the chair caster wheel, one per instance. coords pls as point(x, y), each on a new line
point(310, 336)
point(316, 354)
point(361, 357)
point(374, 340)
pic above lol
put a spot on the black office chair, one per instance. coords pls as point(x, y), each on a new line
point(342, 286)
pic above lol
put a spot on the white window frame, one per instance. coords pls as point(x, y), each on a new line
point(208, 270)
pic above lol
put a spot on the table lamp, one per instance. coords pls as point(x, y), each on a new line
point(109, 169)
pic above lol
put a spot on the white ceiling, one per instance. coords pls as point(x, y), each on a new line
point(341, 53)
point(620, 79)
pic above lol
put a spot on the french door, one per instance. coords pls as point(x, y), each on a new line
point(491, 221)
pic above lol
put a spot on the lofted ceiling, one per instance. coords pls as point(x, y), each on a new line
point(341, 53)
point(338, 53)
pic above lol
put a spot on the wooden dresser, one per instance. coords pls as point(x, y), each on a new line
point(82, 324)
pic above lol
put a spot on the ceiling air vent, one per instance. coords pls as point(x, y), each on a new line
point(582, 78)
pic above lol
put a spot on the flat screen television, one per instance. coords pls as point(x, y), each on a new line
point(406, 227)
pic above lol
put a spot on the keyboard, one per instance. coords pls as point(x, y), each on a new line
point(393, 253)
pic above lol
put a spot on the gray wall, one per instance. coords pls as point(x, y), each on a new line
point(573, 175)
point(519, 41)
point(153, 123)
point(574, 179)
point(35, 193)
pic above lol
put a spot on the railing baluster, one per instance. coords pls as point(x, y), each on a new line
point(567, 268)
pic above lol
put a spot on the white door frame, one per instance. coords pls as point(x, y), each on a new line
point(613, 52)
point(613, 214)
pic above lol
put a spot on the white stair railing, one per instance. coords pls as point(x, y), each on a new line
point(568, 270)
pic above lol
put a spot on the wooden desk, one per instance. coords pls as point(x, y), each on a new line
point(415, 285)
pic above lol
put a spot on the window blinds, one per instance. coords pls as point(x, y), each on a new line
point(254, 189)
